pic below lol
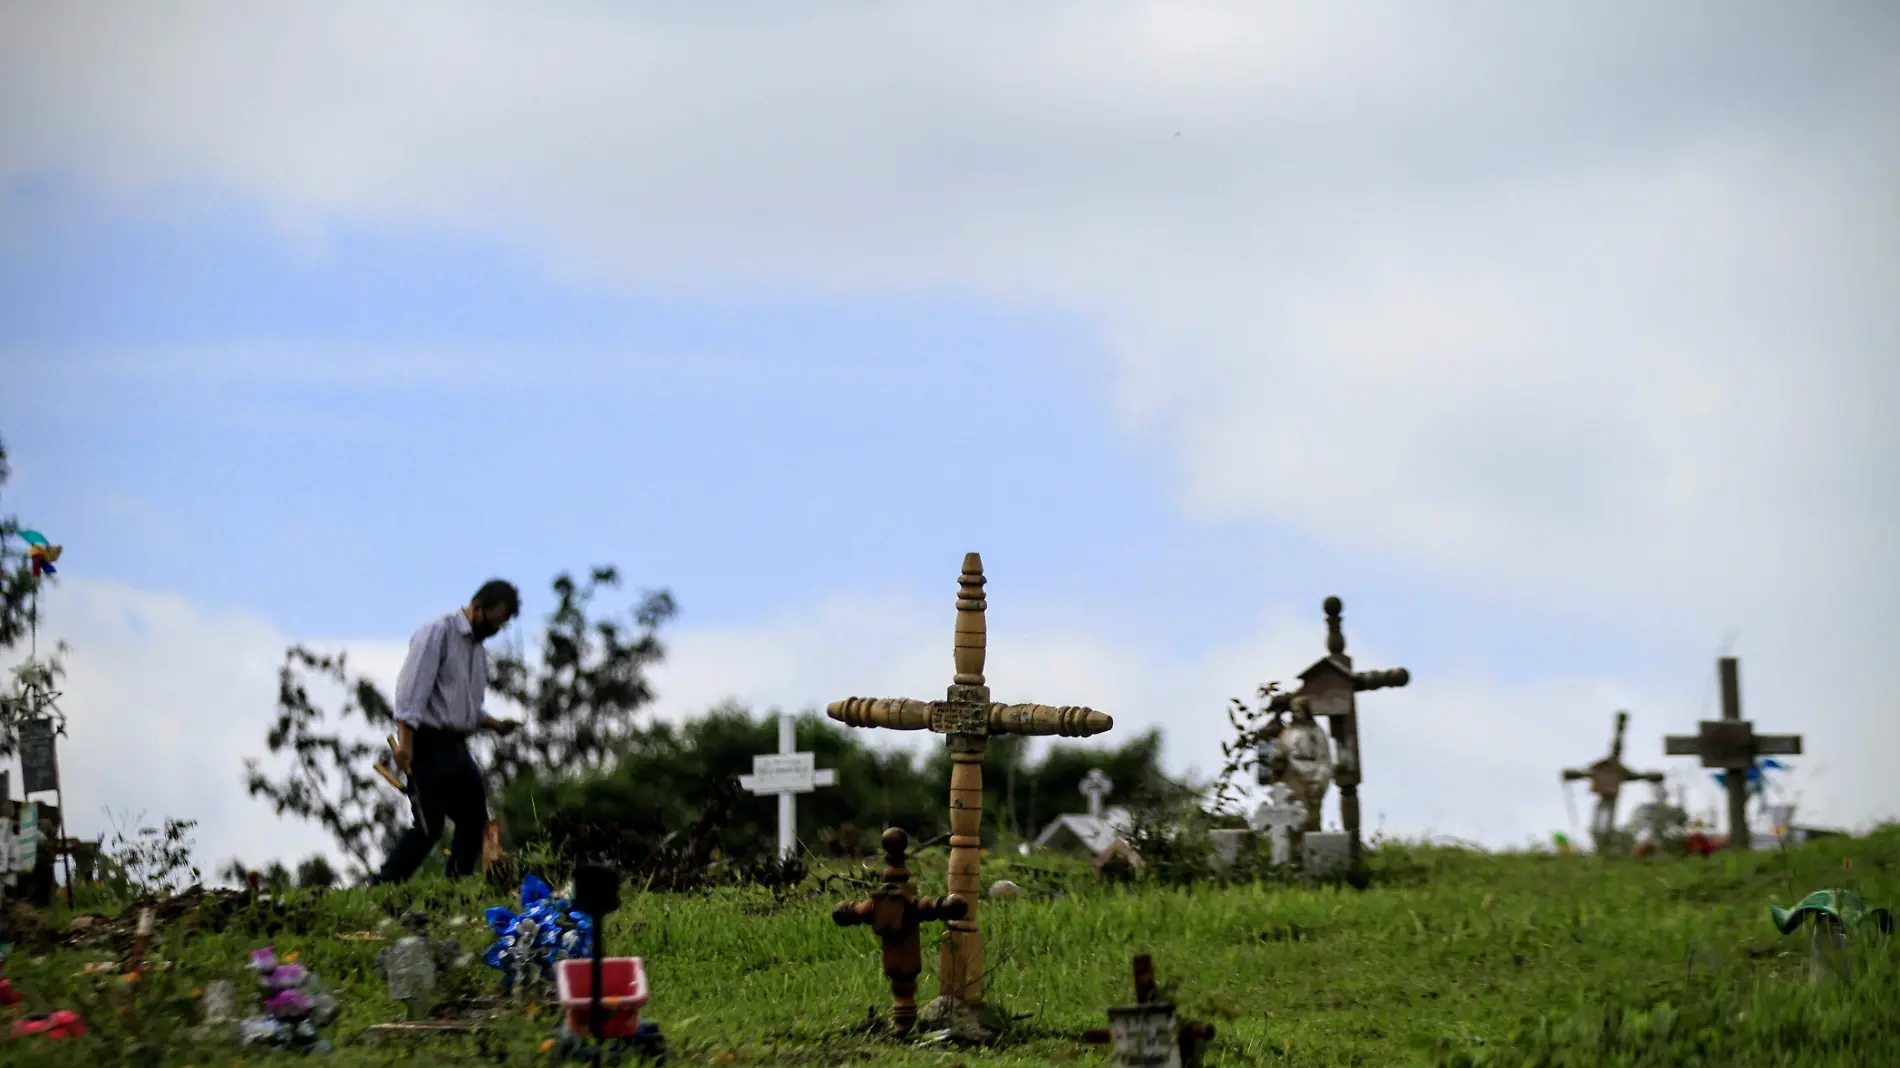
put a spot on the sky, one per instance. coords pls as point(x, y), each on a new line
point(1559, 342)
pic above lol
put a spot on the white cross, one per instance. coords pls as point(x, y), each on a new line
point(788, 773)
point(1096, 786)
point(1278, 815)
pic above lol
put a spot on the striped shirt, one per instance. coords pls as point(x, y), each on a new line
point(444, 676)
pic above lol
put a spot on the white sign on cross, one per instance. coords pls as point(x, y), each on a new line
point(787, 774)
point(20, 850)
point(1095, 786)
point(1278, 815)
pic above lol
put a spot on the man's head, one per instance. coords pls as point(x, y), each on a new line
point(492, 607)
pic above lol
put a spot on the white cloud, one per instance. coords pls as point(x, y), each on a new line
point(166, 700)
point(1589, 310)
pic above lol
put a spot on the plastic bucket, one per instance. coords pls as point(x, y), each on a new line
point(623, 987)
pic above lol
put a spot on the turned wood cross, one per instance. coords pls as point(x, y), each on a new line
point(1730, 743)
point(1607, 777)
point(969, 718)
point(894, 913)
point(1328, 688)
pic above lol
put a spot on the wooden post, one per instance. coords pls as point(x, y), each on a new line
point(894, 912)
point(1732, 745)
point(968, 717)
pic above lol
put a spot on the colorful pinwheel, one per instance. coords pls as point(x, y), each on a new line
point(41, 553)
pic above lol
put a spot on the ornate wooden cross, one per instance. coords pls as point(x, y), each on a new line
point(894, 913)
point(969, 718)
point(1730, 743)
point(1328, 688)
point(1607, 777)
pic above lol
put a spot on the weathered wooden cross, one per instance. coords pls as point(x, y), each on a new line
point(1328, 687)
point(969, 718)
point(1607, 777)
point(1730, 743)
point(787, 774)
point(1096, 787)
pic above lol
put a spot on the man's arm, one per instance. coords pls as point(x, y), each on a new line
point(419, 671)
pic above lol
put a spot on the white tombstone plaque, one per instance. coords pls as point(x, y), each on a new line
point(787, 773)
point(1278, 817)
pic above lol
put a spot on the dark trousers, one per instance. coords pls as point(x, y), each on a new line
point(444, 783)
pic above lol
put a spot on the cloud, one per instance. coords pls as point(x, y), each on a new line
point(166, 699)
point(1584, 307)
point(1588, 311)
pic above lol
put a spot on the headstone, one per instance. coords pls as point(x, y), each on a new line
point(1096, 787)
point(220, 1004)
point(412, 966)
point(39, 769)
point(1229, 845)
point(1278, 817)
point(787, 774)
point(1326, 853)
point(1145, 1035)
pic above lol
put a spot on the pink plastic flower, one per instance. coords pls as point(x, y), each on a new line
point(291, 1002)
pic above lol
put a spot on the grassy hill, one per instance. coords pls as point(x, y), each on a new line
point(1448, 958)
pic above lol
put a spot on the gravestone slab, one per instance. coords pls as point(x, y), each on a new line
point(1146, 1035)
point(38, 769)
point(1230, 844)
point(1327, 853)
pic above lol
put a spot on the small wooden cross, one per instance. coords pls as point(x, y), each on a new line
point(1730, 743)
point(894, 913)
point(1095, 787)
point(1328, 688)
point(1607, 777)
point(969, 718)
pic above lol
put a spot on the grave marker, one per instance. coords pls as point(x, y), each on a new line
point(1730, 743)
point(1279, 817)
point(894, 913)
point(1329, 687)
point(969, 718)
point(1607, 777)
point(1095, 787)
point(787, 773)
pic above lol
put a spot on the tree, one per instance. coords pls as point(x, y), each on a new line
point(331, 779)
point(316, 873)
point(580, 705)
point(32, 692)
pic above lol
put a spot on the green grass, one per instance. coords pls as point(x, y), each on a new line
point(1449, 958)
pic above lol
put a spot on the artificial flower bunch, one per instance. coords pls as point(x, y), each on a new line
point(529, 943)
point(296, 1004)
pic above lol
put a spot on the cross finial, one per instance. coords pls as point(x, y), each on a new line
point(1095, 786)
point(1335, 636)
point(970, 629)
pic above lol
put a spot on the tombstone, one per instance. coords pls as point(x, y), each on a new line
point(1150, 1033)
point(39, 766)
point(1281, 818)
point(1326, 853)
point(220, 1003)
point(1230, 844)
point(1731, 744)
point(1329, 688)
point(1077, 833)
point(787, 774)
point(412, 966)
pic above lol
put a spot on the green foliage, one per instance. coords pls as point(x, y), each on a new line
point(149, 862)
point(31, 693)
point(659, 783)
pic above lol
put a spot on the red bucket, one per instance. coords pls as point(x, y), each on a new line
point(623, 989)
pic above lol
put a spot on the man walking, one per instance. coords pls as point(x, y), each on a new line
point(438, 706)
